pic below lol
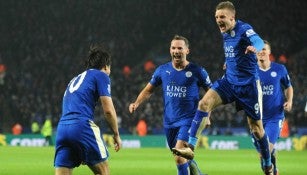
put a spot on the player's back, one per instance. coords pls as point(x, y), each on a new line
point(82, 94)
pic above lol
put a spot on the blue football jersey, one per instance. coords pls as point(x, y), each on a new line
point(241, 68)
point(180, 91)
point(83, 92)
point(273, 82)
point(78, 138)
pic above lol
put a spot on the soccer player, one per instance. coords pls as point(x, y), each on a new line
point(78, 138)
point(181, 81)
point(240, 82)
point(276, 84)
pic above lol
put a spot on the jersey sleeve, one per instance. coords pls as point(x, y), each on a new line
point(257, 42)
point(254, 38)
point(285, 79)
point(156, 77)
point(205, 81)
point(103, 84)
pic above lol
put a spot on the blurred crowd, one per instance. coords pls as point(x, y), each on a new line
point(44, 44)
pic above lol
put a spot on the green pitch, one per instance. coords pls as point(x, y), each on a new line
point(151, 161)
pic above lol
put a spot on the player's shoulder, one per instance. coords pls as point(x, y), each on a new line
point(245, 28)
point(243, 24)
point(93, 71)
point(165, 65)
point(96, 73)
point(197, 68)
point(194, 66)
point(277, 65)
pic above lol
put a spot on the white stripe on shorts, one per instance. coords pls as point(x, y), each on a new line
point(101, 145)
point(259, 97)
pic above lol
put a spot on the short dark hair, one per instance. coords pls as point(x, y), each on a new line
point(98, 57)
point(226, 5)
point(179, 37)
point(267, 43)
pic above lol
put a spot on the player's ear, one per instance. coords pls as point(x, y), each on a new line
point(232, 18)
point(188, 51)
point(104, 68)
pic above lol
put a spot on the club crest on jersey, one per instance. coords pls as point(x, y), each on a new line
point(232, 33)
point(188, 74)
point(273, 74)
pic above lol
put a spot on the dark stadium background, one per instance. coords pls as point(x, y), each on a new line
point(43, 45)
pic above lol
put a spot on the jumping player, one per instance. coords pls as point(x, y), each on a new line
point(240, 83)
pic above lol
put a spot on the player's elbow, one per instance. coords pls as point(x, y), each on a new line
point(108, 113)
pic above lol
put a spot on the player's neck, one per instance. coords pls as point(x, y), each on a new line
point(233, 26)
point(265, 65)
point(181, 65)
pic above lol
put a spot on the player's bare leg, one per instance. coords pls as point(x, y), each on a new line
point(101, 168)
point(63, 171)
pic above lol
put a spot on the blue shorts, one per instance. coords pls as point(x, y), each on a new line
point(248, 97)
point(178, 133)
point(79, 142)
point(272, 129)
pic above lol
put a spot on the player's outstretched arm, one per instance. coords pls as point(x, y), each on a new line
point(144, 95)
